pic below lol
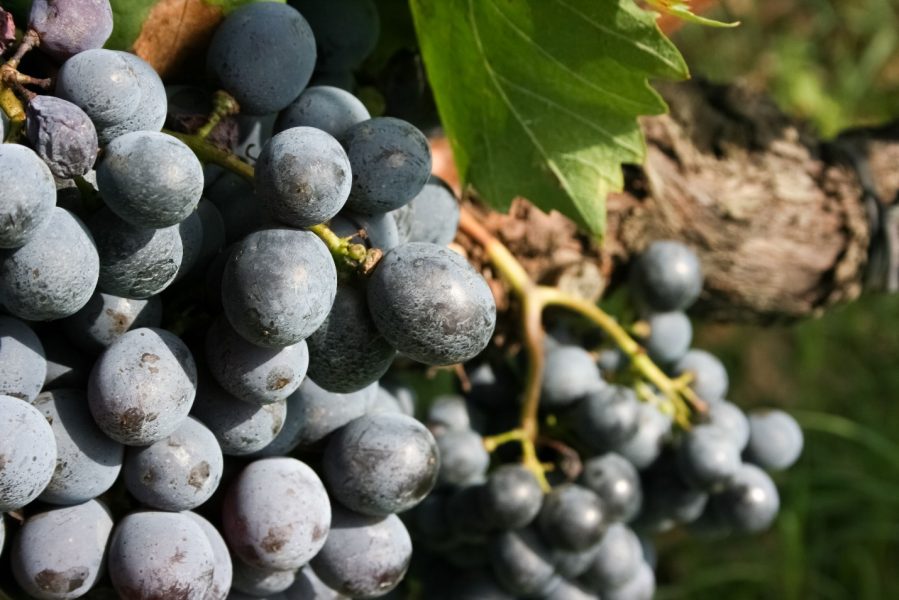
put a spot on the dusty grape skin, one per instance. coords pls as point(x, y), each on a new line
point(27, 196)
point(390, 161)
point(463, 458)
point(221, 578)
point(261, 582)
point(233, 196)
point(276, 514)
point(347, 352)
point(729, 417)
point(308, 586)
point(775, 440)
point(106, 317)
point(572, 517)
point(313, 413)
point(667, 276)
point(616, 559)
point(151, 109)
point(364, 557)
point(511, 497)
point(160, 555)
point(605, 417)
point(87, 461)
point(135, 262)
point(62, 135)
point(263, 55)
point(568, 374)
point(616, 482)
point(346, 31)
point(303, 177)
point(54, 274)
point(324, 107)
point(150, 179)
point(653, 430)
point(670, 336)
point(381, 464)
point(60, 554)
point(28, 448)
point(431, 305)
point(23, 360)
point(253, 374)
point(278, 286)
point(521, 562)
point(142, 387)
point(708, 457)
point(179, 472)
point(710, 380)
point(241, 428)
point(431, 216)
point(67, 28)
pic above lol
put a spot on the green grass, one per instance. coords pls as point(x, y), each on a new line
point(838, 532)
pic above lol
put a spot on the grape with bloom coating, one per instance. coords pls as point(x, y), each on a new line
point(28, 449)
point(667, 276)
point(775, 440)
point(221, 578)
point(23, 360)
point(71, 26)
point(106, 317)
point(324, 107)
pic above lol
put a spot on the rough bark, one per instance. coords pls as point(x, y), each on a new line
point(778, 217)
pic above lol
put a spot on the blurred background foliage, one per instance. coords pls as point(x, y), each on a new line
point(836, 64)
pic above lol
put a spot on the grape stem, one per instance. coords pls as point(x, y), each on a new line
point(347, 255)
point(11, 81)
point(534, 299)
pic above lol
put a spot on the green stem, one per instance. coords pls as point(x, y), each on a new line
point(209, 153)
point(223, 105)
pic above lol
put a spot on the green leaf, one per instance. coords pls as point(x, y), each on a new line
point(540, 98)
point(681, 10)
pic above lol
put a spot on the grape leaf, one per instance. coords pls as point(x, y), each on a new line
point(540, 98)
point(682, 10)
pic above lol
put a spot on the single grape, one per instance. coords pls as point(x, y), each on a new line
point(346, 31)
point(261, 582)
point(279, 286)
point(151, 108)
point(23, 360)
point(605, 418)
point(62, 135)
point(330, 109)
point(314, 413)
point(522, 563)
point(87, 461)
point(431, 216)
point(775, 440)
point(106, 317)
point(670, 335)
point(347, 352)
point(142, 387)
point(302, 177)
point(28, 448)
point(150, 179)
point(253, 374)
point(67, 28)
point(617, 559)
point(364, 556)
point(54, 274)
point(728, 416)
point(463, 458)
point(667, 276)
point(276, 514)
point(710, 381)
point(221, 578)
point(380, 230)
point(390, 161)
point(179, 472)
point(749, 502)
point(707, 457)
point(160, 555)
point(572, 517)
point(234, 198)
point(615, 480)
point(308, 586)
point(263, 55)
point(431, 304)
point(60, 554)
point(381, 464)
point(240, 427)
point(653, 430)
point(448, 413)
point(511, 497)
point(569, 373)
point(135, 262)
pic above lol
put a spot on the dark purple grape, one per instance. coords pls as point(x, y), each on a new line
point(67, 27)
point(60, 554)
point(364, 557)
point(522, 563)
point(616, 482)
point(572, 517)
point(463, 458)
point(512, 497)
point(156, 555)
point(62, 135)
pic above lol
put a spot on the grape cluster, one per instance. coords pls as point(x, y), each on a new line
point(497, 534)
point(189, 379)
point(201, 391)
